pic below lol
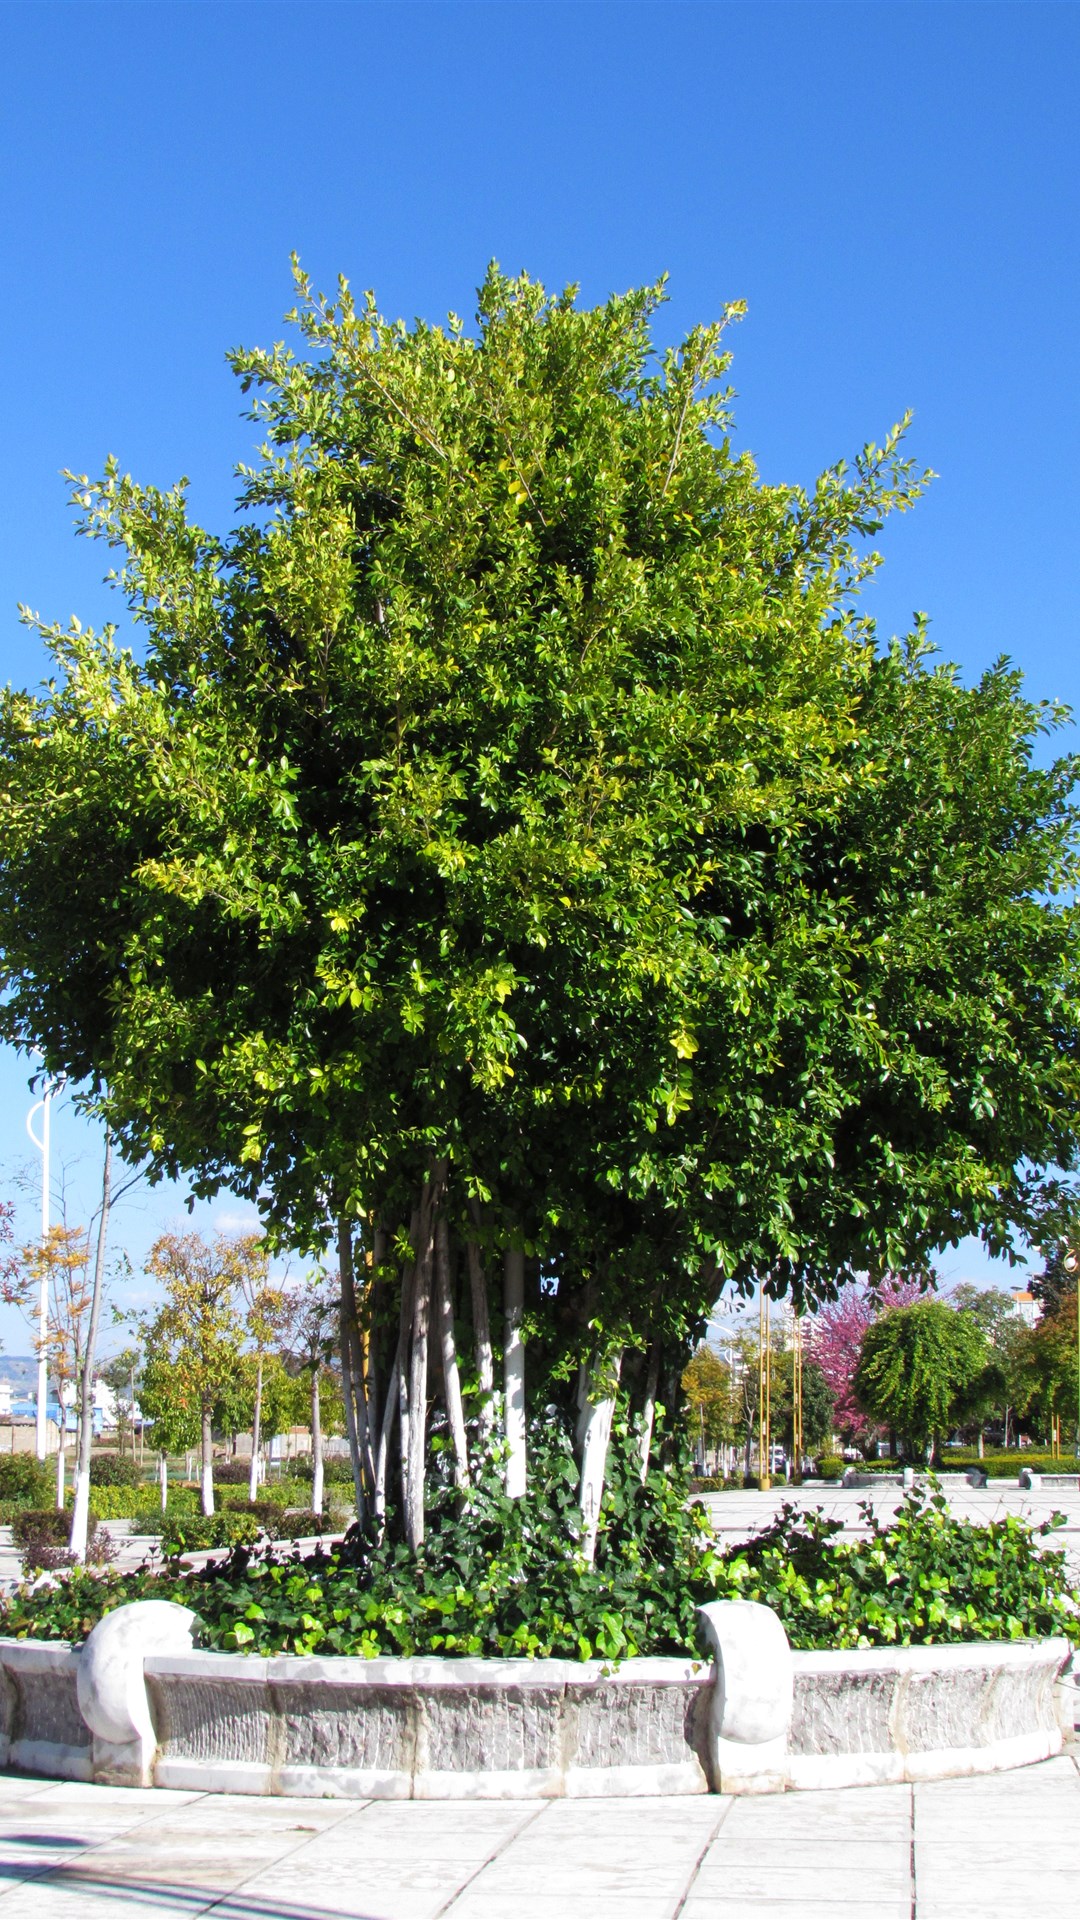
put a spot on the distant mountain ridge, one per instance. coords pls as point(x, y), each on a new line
point(19, 1368)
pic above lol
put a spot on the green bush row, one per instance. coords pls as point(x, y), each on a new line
point(498, 1577)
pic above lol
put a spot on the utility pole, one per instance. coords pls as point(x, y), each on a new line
point(42, 1145)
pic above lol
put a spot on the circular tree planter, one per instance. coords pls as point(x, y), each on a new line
point(136, 1705)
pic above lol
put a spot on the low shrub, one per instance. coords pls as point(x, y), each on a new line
point(500, 1577)
point(114, 1470)
point(116, 1503)
point(292, 1492)
point(184, 1533)
point(232, 1473)
point(302, 1522)
point(25, 1480)
point(265, 1513)
point(923, 1578)
point(831, 1466)
point(336, 1472)
point(41, 1535)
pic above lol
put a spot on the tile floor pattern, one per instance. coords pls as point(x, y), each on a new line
point(986, 1849)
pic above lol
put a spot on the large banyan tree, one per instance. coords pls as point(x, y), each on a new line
point(508, 856)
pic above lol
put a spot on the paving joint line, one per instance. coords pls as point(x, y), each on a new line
point(452, 1898)
point(351, 1812)
point(911, 1857)
point(696, 1868)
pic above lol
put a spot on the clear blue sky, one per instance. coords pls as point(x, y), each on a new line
point(892, 188)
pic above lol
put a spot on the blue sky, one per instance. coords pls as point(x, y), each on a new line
point(893, 189)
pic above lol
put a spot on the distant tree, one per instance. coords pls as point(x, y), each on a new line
point(817, 1403)
point(836, 1344)
point(1055, 1281)
point(1048, 1369)
point(995, 1391)
point(194, 1343)
point(916, 1363)
point(309, 1337)
point(710, 1410)
point(120, 1373)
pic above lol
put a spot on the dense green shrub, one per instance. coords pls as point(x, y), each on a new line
point(506, 1577)
point(41, 1535)
point(831, 1466)
point(26, 1480)
point(114, 1470)
point(336, 1472)
point(922, 1578)
point(265, 1513)
point(997, 1463)
point(188, 1533)
point(302, 1522)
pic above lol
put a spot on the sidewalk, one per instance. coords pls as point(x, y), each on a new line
point(982, 1849)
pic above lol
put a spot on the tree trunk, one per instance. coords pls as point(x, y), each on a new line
point(401, 1362)
point(594, 1452)
point(514, 1373)
point(80, 1517)
point(351, 1365)
point(316, 1444)
point(207, 1460)
point(418, 1373)
point(256, 1432)
point(485, 1367)
point(648, 1419)
point(455, 1412)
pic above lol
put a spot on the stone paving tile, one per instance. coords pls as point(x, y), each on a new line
point(713, 1908)
point(808, 1852)
point(766, 1879)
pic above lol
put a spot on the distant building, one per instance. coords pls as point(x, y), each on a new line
point(1025, 1306)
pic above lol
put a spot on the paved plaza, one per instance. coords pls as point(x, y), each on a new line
point(982, 1849)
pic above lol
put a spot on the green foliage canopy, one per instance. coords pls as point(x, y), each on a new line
point(518, 783)
point(915, 1364)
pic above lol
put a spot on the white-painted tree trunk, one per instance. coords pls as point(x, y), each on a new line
point(594, 1452)
point(256, 1431)
point(316, 1444)
point(485, 1366)
point(207, 1462)
point(444, 1308)
point(349, 1346)
point(418, 1377)
point(648, 1421)
point(514, 1373)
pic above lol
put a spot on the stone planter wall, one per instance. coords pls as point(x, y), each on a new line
point(137, 1706)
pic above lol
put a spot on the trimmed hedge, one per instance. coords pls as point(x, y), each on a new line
point(114, 1470)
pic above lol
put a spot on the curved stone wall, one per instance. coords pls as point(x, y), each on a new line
point(138, 1706)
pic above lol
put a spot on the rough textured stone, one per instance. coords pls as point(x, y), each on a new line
point(335, 1726)
point(842, 1712)
point(47, 1706)
point(210, 1719)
